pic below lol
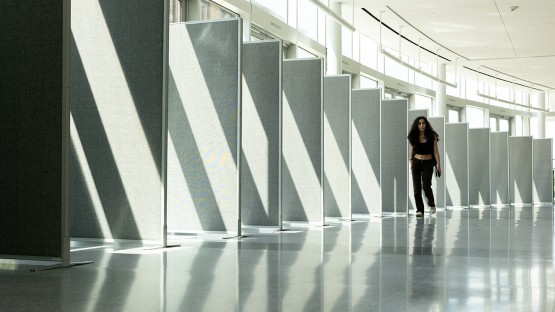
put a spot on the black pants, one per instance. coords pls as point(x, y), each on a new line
point(422, 172)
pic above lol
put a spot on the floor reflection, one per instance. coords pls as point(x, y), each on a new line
point(497, 259)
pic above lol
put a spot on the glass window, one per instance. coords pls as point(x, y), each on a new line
point(394, 69)
point(321, 27)
point(367, 83)
point(347, 42)
point(472, 90)
point(453, 115)
point(302, 53)
point(450, 90)
point(307, 18)
point(277, 8)
point(423, 102)
point(210, 11)
point(518, 125)
point(474, 117)
point(368, 52)
point(421, 80)
point(504, 125)
point(493, 124)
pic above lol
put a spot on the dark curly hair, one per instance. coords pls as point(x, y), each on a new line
point(414, 133)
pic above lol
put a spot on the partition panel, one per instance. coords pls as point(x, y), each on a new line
point(520, 169)
point(261, 145)
point(394, 156)
point(365, 145)
point(412, 115)
point(456, 164)
point(479, 192)
point(302, 165)
point(337, 105)
point(542, 171)
point(33, 113)
point(499, 166)
point(204, 102)
point(438, 183)
point(116, 106)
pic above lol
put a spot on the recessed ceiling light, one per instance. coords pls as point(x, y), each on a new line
point(513, 7)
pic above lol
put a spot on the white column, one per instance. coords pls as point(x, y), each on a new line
point(440, 107)
point(333, 41)
point(540, 119)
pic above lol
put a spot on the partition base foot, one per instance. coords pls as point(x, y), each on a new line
point(237, 237)
point(61, 266)
point(162, 247)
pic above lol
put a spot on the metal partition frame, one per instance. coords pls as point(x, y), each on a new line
point(542, 170)
point(365, 145)
point(438, 184)
point(479, 192)
point(456, 164)
point(520, 169)
point(499, 168)
point(394, 156)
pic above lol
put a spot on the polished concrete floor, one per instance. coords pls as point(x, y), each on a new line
point(478, 259)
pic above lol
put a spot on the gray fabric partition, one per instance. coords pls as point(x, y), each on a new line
point(337, 106)
point(204, 101)
point(456, 164)
point(116, 99)
point(478, 166)
point(394, 156)
point(542, 171)
point(261, 150)
point(412, 115)
point(365, 151)
point(499, 167)
point(438, 184)
point(302, 166)
point(32, 105)
point(520, 169)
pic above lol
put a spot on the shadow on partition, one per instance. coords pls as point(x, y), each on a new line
point(204, 106)
point(116, 95)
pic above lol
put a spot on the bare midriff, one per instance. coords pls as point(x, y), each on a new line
point(423, 157)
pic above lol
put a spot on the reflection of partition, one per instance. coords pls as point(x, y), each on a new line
point(116, 107)
point(34, 119)
point(261, 132)
point(499, 165)
point(365, 142)
point(438, 184)
point(520, 169)
point(456, 164)
point(394, 155)
point(336, 264)
point(204, 101)
point(478, 166)
point(412, 114)
point(337, 102)
point(542, 171)
point(302, 165)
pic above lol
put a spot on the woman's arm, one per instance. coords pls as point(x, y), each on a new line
point(436, 154)
point(410, 152)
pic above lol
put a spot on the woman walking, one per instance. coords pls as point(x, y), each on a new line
point(424, 156)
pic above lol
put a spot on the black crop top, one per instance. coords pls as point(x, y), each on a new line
point(426, 148)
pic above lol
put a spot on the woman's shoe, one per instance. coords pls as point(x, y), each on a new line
point(433, 210)
point(419, 214)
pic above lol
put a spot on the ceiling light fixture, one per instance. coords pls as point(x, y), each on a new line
point(511, 102)
point(512, 8)
point(332, 14)
point(417, 69)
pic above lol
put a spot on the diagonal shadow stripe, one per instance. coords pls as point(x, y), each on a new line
point(101, 162)
point(191, 165)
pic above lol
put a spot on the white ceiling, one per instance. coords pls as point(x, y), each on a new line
point(486, 35)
